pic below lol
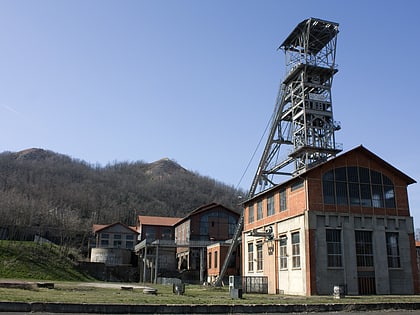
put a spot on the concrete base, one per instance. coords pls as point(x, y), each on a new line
point(198, 309)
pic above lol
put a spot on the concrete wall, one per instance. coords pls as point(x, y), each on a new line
point(102, 272)
point(387, 280)
point(111, 256)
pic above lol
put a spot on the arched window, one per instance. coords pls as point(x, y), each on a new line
point(358, 186)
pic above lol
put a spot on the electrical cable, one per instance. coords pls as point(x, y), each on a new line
point(256, 149)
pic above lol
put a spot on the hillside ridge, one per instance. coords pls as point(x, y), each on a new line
point(60, 198)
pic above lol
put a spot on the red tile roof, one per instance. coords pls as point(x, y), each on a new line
point(153, 220)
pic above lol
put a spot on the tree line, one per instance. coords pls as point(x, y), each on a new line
point(60, 198)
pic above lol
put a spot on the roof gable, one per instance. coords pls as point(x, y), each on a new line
point(205, 208)
point(99, 228)
point(357, 150)
point(362, 150)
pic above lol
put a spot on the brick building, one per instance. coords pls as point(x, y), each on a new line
point(216, 255)
point(345, 222)
point(154, 260)
point(202, 227)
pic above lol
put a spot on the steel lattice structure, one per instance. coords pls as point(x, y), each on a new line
point(302, 128)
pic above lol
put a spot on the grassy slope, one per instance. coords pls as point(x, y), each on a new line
point(28, 260)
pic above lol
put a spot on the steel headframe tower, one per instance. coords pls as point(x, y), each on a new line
point(302, 128)
point(303, 116)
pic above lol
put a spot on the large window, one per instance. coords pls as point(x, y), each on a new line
point(334, 256)
point(251, 214)
point(364, 249)
point(260, 256)
point(283, 252)
point(270, 206)
point(251, 257)
point(259, 210)
point(217, 222)
point(392, 250)
point(296, 250)
point(358, 186)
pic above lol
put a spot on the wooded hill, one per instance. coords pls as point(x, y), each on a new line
point(58, 197)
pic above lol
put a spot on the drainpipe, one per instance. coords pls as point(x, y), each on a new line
point(156, 263)
point(145, 263)
point(201, 265)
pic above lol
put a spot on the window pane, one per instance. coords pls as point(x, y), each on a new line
point(341, 193)
point(296, 250)
point(354, 194)
point(353, 174)
point(283, 252)
point(250, 257)
point(259, 257)
point(270, 206)
point(364, 175)
point(366, 198)
point(328, 190)
point(340, 174)
point(375, 177)
point(259, 210)
point(329, 176)
point(283, 201)
point(387, 181)
point(251, 214)
point(295, 238)
point(389, 196)
point(377, 196)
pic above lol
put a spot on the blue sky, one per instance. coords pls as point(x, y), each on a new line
point(195, 81)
